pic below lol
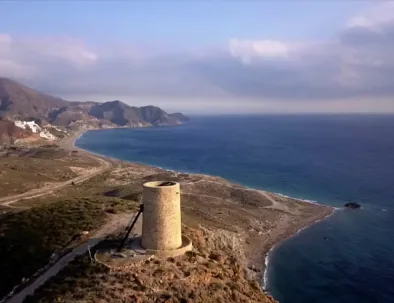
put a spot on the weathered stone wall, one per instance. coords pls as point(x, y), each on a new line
point(161, 225)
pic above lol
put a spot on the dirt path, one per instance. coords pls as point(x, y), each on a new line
point(116, 222)
point(268, 196)
point(104, 166)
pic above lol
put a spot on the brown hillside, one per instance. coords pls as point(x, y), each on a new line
point(9, 132)
point(18, 100)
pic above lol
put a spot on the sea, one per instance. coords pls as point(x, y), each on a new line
point(329, 159)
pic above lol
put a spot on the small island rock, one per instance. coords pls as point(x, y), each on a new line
point(352, 205)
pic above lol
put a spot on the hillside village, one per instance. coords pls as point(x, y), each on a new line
point(42, 116)
point(36, 129)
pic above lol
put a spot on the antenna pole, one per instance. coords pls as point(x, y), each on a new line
point(123, 242)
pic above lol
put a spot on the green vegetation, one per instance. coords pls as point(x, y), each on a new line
point(28, 238)
point(77, 276)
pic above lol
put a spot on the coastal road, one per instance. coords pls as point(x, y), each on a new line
point(104, 166)
point(114, 223)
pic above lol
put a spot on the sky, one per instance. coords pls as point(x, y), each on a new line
point(205, 56)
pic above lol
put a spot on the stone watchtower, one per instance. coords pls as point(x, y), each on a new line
point(161, 225)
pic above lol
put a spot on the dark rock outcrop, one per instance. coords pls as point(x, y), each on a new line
point(352, 205)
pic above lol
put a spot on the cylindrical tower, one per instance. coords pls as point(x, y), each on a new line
point(161, 225)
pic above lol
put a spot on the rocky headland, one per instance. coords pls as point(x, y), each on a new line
point(232, 228)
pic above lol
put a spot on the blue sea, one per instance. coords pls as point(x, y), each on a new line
point(331, 159)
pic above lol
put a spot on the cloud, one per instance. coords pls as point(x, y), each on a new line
point(358, 64)
point(375, 17)
point(248, 49)
point(5, 40)
point(41, 54)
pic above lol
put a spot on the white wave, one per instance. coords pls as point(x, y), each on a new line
point(268, 255)
point(266, 262)
point(299, 199)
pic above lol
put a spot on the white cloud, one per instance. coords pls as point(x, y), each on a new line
point(357, 65)
point(248, 49)
point(374, 18)
point(41, 53)
point(67, 50)
point(13, 69)
point(5, 39)
point(360, 21)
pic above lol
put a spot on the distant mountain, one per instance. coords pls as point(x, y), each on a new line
point(179, 116)
point(157, 116)
point(117, 113)
point(122, 114)
point(67, 115)
point(19, 102)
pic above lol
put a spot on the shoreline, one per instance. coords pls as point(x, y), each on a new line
point(272, 249)
point(261, 249)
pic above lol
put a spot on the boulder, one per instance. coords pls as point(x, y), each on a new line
point(352, 205)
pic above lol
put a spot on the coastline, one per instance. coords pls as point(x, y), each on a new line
point(272, 249)
point(257, 247)
point(69, 142)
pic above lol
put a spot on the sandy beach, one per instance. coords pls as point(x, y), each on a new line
point(69, 142)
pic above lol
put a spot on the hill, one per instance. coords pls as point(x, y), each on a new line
point(179, 116)
point(121, 114)
point(118, 113)
point(19, 102)
point(9, 132)
point(157, 116)
point(67, 115)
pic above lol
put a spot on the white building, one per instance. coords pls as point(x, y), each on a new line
point(35, 128)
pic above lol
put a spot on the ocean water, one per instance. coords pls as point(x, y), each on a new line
point(332, 159)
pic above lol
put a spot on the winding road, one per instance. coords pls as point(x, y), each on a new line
point(114, 223)
point(34, 193)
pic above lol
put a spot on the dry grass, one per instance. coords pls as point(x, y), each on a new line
point(28, 238)
point(229, 226)
point(22, 169)
point(210, 273)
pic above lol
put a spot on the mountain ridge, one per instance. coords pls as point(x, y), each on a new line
point(20, 102)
